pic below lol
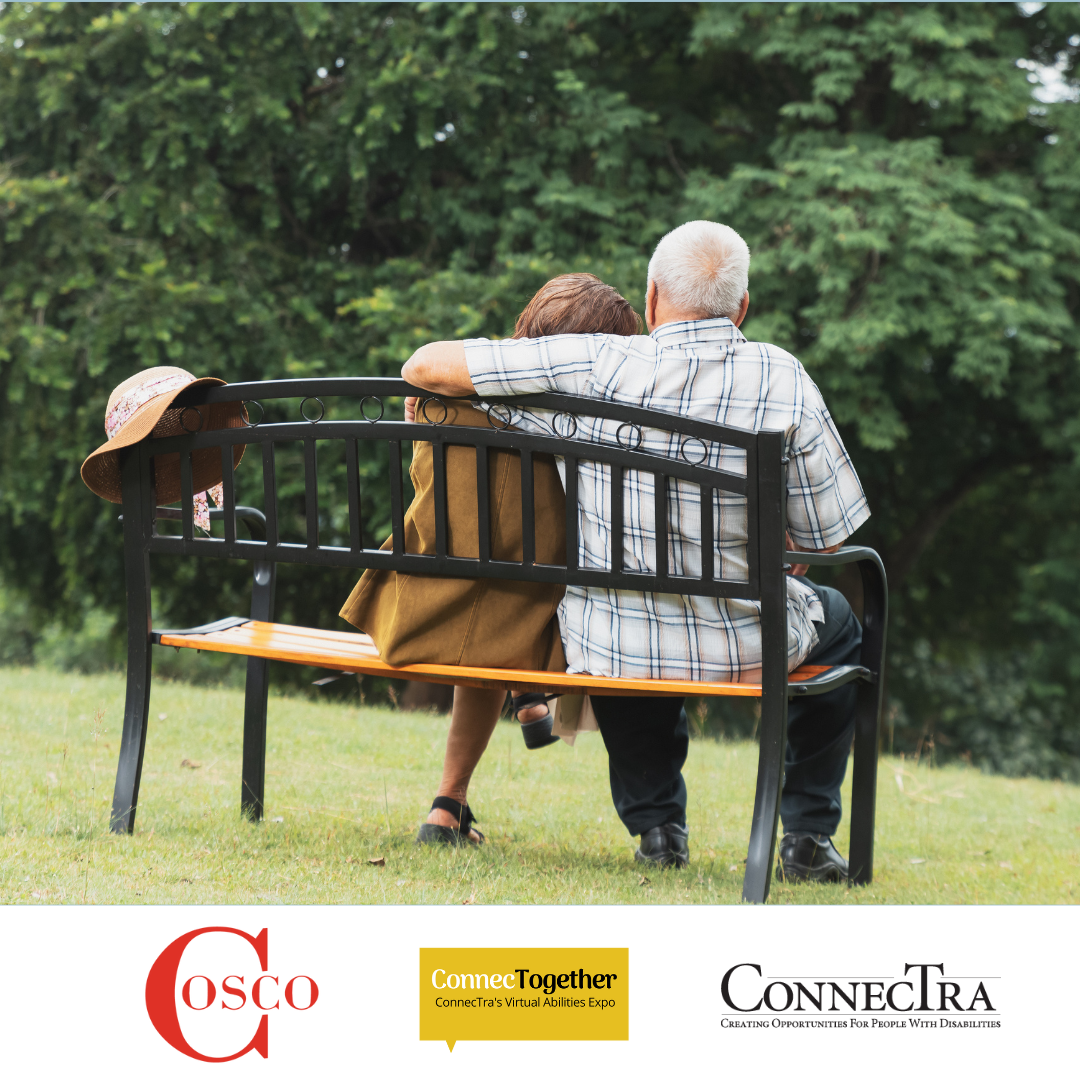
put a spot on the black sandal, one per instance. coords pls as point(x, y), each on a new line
point(536, 733)
point(448, 834)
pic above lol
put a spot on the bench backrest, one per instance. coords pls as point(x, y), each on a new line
point(762, 486)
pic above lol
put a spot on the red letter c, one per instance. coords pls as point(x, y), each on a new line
point(161, 994)
point(256, 991)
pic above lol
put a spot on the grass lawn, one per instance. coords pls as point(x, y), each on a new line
point(347, 785)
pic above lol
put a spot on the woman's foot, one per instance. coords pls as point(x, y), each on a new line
point(450, 822)
point(535, 719)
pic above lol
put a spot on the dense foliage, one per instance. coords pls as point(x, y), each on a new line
point(257, 190)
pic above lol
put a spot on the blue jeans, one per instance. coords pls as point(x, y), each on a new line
point(647, 740)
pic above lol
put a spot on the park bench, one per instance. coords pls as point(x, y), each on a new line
point(369, 431)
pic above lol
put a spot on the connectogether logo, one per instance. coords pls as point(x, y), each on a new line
point(922, 997)
point(508, 994)
point(204, 987)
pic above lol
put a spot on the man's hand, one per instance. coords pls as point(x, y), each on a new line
point(799, 569)
point(440, 367)
point(410, 410)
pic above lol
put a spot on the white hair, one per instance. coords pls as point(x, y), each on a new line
point(702, 267)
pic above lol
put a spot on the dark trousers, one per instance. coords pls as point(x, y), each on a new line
point(647, 740)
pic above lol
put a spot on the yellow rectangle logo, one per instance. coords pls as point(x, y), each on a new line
point(524, 994)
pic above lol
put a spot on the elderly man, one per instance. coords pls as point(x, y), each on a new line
point(695, 361)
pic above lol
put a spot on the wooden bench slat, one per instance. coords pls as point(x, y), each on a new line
point(353, 652)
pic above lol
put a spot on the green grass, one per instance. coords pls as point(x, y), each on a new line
point(348, 784)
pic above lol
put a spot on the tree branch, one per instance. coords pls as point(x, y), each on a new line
point(903, 555)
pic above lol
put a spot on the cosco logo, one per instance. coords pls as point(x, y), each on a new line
point(203, 990)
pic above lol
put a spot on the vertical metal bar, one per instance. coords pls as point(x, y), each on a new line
point(397, 505)
point(483, 504)
point(774, 701)
point(270, 493)
point(618, 515)
point(571, 513)
point(229, 494)
point(753, 543)
point(187, 496)
point(708, 545)
point(138, 505)
point(868, 722)
point(311, 493)
point(660, 513)
point(352, 470)
point(438, 467)
point(253, 768)
point(528, 510)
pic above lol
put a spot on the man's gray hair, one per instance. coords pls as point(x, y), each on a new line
point(702, 267)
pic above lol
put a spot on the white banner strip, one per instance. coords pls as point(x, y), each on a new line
point(809, 991)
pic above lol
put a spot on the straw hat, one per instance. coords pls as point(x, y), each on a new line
point(142, 406)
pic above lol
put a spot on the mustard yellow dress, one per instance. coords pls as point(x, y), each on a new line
point(420, 618)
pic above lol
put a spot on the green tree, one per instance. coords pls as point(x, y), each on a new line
point(258, 190)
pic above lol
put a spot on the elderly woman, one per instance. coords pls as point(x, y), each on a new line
point(488, 623)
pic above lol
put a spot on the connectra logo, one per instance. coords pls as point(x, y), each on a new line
point(181, 995)
point(524, 994)
point(923, 997)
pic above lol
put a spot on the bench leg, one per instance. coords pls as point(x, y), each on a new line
point(138, 505)
point(770, 781)
point(133, 737)
point(868, 724)
point(253, 772)
point(774, 702)
point(864, 786)
point(253, 775)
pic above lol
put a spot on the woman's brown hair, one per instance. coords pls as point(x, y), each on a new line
point(577, 304)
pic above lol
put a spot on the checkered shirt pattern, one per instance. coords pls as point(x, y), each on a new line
point(705, 369)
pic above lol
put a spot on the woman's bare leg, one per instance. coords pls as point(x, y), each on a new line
point(476, 712)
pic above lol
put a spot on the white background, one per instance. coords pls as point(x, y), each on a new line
point(73, 983)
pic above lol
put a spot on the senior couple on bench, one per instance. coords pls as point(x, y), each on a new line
point(579, 336)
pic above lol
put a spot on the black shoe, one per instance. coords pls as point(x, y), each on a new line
point(664, 846)
point(536, 733)
point(806, 856)
point(447, 834)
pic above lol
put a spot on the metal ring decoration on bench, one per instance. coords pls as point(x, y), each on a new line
point(183, 421)
point(363, 412)
point(571, 428)
point(243, 411)
point(322, 410)
point(686, 457)
point(423, 410)
point(497, 420)
point(619, 436)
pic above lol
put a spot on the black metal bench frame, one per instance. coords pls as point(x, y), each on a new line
point(762, 486)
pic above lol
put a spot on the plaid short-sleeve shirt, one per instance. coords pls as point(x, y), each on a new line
point(705, 369)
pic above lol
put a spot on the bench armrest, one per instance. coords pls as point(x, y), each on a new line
point(265, 576)
point(849, 554)
point(875, 594)
point(253, 518)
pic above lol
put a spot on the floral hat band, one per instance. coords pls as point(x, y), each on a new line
point(128, 404)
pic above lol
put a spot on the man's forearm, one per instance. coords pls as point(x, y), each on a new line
point(799, 569)
point(820, 551)
point(441, 368)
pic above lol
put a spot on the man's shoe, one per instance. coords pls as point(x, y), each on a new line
point(664, 846)
point(808, 856)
